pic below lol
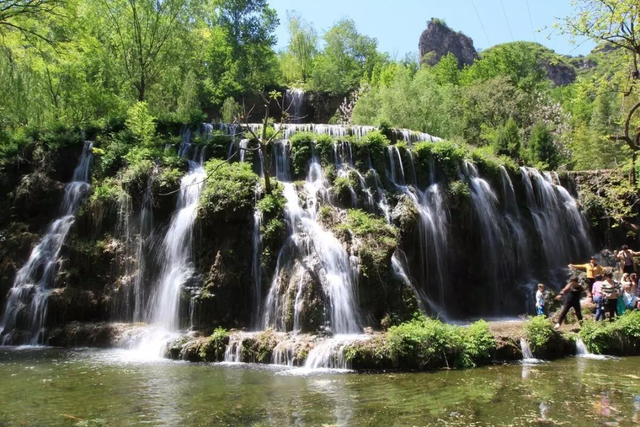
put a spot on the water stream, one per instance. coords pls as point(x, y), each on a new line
point(26, 308)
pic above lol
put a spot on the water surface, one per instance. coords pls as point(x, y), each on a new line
point(41, 387)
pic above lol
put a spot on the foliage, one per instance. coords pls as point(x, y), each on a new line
point(141, 123)
point(229, 188)
point(213, 349)
point(538, 332)
point(507, 141)
point(612, 337)
point(542, 150)
point(301, 150)
point(297, 61)
point(424, 343)
point(230, 110)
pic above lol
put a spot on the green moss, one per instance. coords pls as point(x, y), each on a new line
point(377, 240)
point(213, 350)
point(229, 188)
point(372, 146)
point(449, 156)
point(324, 148)
point(301, 151)
point(273, 227)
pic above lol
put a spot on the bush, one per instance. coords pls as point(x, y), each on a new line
point(301, 151)
point(424, 343)
point(213, 350)
point(141, 123)
point(619, 337)
point(538, 331)
point(229, 188)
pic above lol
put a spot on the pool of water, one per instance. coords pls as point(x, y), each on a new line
point(41, 387)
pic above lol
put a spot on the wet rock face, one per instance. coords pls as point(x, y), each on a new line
point(438, 40)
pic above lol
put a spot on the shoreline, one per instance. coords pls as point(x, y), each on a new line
point(396, 349)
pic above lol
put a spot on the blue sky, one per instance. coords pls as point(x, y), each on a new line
point(398, 24)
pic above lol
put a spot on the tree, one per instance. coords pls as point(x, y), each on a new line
point(25, 17)
point(542, 149)
point(248, 27)
point(188, 101)
point(347, 58)
point(615, 22)
point(303, 41)
point(507, 141)
point(143, 32)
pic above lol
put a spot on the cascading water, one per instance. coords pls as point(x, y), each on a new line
point(433, 231)
point(293, 101)
point(485, 203)
point(145, 230)
point(26, 307)
point(514, 221)
point(177, 247)
point(311, 240)
point(562, 228)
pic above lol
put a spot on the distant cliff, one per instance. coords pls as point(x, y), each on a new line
point(438, 40)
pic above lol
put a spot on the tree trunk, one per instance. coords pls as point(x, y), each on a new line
point(632, 173)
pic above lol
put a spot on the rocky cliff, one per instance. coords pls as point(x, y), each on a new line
point(438, 40)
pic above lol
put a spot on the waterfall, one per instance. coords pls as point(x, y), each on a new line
point(398, 265)
point(562, 228)
point(514, 223)
point(485, 204)
point(293, 100)
point(177, 266)
point(527, 354)
point(583, 352)
point(433, 230)
point(256, 265)
point(26, 307)
point(145, 230)
point(310, 240)
point(329, 354)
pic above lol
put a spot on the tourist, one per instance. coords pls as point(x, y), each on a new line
point(634, 284)
point(598, 298)
point(611, 292)
point(618, 264)
point(573, 292)
point(626, 259)
point(629, 300)
point(540, 300)
point(593, 269)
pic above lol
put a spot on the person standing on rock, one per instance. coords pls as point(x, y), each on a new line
point(611, 292)
point(598, 298)
point(573, 292)
point(592, 269)
point(626, 259)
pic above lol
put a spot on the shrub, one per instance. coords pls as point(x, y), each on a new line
point(213, 350)
point(229, 188)
point(478, 343)
point(538, 331)
point(619, 337)
point(141, 123)
point(423, 344)
point(301, 146)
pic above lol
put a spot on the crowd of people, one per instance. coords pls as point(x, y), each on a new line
point(611, 297)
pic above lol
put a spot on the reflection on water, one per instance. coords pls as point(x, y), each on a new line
point(60, 387)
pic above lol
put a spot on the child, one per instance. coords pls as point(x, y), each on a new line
point(540, 300)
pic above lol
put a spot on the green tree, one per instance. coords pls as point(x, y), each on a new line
point(347, 58)
point(141, 123)
point(143, 36)
point(303, 41)
point(542, 149)
point(507, 141)
point(188, 101)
